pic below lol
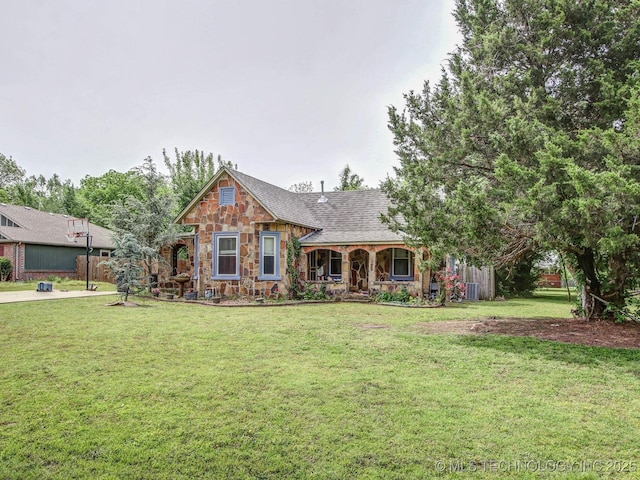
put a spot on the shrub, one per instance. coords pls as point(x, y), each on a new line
point(5, 268)
point(402, 296)
point(310, 293)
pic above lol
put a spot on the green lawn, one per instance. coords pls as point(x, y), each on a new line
point(57, 283)
point(173, 390)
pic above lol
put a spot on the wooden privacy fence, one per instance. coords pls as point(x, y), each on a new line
point(97, 273)
point(484, 277)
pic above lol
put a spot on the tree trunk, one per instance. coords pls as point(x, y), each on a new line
point(591, 291)
point(594, 299)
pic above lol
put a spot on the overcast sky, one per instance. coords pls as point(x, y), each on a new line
point(289, 90)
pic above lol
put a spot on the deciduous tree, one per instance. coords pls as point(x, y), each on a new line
point(301, 187)
point(189, 173)
point(10, 173)
point(97, 196)
point(349, 180)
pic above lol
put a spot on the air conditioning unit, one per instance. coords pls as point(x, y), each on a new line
point(473, 291)
point(45, 287)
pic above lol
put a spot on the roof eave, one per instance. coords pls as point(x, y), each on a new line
point(341, 244)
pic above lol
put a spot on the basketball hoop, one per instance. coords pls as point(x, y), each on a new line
point(77, 228)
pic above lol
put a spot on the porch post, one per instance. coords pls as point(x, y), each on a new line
point(371, 277)
point(346, 270)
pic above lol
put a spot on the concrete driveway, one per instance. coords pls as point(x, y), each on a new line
point(32, 295)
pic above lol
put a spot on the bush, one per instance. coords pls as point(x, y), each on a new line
point(403, 296)
point(310, 293)
point(5, 269)
point(520, 281)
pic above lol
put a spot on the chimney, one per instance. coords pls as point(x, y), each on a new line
point(322, 198)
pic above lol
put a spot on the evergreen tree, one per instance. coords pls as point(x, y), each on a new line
point(126, 264)
point(150, 219)
point(529, 142)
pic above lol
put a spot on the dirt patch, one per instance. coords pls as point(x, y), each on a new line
point(123, 304)
point(568, 330)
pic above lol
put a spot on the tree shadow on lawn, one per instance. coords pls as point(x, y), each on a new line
point(533, 348)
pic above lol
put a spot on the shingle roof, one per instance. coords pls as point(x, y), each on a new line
point(347, 217)
point(44, 228)
point(282, 204)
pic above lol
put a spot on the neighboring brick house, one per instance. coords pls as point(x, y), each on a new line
point(37, 245)
point(243, 228)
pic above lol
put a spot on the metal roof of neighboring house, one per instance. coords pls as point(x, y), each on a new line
point(43, 228)
point(348, 217)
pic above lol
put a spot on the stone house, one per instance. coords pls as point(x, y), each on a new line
point(249, 236)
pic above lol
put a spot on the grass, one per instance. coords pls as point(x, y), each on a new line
point(170, 390)
point(58, 284)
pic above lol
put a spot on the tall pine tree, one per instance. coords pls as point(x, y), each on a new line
point(529, 142)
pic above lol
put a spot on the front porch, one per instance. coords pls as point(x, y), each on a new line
point(365, 269)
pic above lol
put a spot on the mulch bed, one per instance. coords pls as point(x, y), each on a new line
point(600, 333)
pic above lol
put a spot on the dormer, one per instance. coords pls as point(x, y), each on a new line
point(7, 222)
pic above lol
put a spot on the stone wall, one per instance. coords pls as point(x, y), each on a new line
point(247, 217)
point(364, 267)
point(368, 269)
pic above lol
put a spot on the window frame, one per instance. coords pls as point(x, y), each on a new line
point(215, 267)
point(276, 275)
point(334, 255)
point(393, 275)
point(225, 193)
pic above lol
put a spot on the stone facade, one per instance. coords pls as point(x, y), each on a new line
point(368, 270)
point(364, 268)
point(248, 218)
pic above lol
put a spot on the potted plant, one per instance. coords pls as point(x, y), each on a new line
point(155, 292)
point(211, 294)
point(190, 295)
